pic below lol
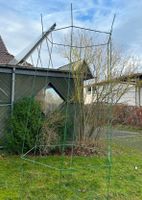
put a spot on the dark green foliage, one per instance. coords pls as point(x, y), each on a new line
point(24, 126)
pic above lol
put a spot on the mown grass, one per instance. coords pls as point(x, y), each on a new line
point(88, 180)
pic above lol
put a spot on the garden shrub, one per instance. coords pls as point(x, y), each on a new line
point(127, 115)
point(52, 131)
point(24, 126)
point(135, 118)
point(121, 113)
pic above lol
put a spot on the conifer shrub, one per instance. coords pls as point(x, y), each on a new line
point(24, 126)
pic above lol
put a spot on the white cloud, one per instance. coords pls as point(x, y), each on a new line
point(20, 20)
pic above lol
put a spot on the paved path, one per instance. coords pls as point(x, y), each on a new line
point(124, 134)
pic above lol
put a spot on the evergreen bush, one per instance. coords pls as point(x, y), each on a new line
point(24, 126)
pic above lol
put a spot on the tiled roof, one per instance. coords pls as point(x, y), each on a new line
point(5, 56)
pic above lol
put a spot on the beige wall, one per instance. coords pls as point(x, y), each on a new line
point(132, 96)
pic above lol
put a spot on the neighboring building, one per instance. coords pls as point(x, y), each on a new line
point(132, 96)
point(131, 88)
point(5, 56)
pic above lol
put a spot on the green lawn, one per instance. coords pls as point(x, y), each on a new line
point(83, 178)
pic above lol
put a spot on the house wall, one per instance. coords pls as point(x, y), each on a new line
point(88, 95)
point(132, 96)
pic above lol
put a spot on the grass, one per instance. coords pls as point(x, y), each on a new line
point(88, 180)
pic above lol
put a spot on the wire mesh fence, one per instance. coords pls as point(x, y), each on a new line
point(77, 125)
point(70, 154)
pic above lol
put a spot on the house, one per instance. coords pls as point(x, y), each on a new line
point(18, 79)
point(123, 90)
point(5, 56)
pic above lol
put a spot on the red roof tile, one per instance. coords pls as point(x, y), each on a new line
point(5, 56)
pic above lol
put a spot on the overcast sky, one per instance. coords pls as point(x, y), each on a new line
point(20, 20)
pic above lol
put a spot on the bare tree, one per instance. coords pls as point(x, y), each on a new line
point(111, 80)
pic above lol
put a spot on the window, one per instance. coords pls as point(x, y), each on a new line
point(89, 90)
